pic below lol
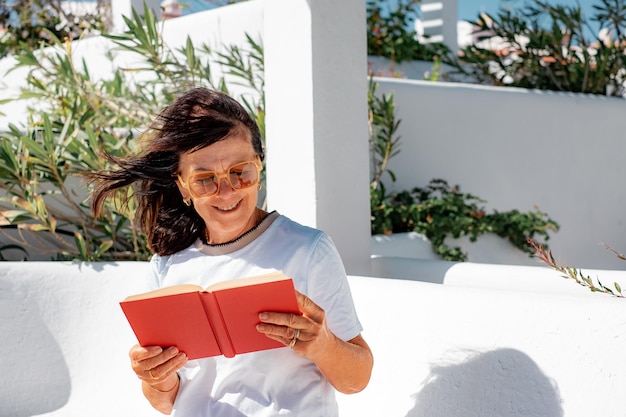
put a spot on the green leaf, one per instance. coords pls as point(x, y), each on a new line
point(103, 247)
point(33, 227)
point(15, 216)
point(81, 245)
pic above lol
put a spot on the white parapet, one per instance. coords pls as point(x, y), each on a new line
point(440, 350)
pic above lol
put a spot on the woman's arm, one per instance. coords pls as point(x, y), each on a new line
point(157, 368)
point(346, 365)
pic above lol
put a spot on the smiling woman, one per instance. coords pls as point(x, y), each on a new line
point(196, 185)
point(227, 201)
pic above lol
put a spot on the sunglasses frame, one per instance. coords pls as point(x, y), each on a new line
point(219, 176)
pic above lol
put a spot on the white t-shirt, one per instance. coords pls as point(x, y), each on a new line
point(274, 382)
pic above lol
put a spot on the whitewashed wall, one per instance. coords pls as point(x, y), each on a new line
point(447, 350)
point(520, 149)
point(475, 342)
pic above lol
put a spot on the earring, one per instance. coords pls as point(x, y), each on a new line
point(187, 202)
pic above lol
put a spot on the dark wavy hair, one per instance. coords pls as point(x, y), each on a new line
point(194, 120)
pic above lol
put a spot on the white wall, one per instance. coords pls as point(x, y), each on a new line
point(517, 149)
point(481, 342)
point(121, 8)
point(317, 152)
point(449, 351)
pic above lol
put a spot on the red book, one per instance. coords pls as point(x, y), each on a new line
point(218, 320)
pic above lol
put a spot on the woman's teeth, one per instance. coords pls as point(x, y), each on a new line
point(228, 207)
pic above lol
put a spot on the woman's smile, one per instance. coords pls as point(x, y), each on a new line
point(229, 208)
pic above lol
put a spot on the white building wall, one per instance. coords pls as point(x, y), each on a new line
point(316, 123)
point(520, 149)
point(121, 8)
point(439, 22)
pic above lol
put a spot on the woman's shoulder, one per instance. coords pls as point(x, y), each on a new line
point(160, 263)
point(293, 236)
point(285, 226)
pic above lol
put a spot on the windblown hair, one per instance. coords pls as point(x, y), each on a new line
point(195, 120)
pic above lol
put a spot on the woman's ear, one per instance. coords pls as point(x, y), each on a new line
point(183, 192)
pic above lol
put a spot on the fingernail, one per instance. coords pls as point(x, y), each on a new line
point(172, 350)
point(263, 316)
point(260, 327)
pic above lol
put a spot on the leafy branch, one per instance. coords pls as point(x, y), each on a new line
point(383, 127)
point(546, 46)
point(73, 117)
point(545, 255)
point(439, 211)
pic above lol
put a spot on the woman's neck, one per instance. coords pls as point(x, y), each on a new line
point(220, 239)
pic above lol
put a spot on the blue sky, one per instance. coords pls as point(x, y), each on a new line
point(469, 9)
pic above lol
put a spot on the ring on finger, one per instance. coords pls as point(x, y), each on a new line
point(295, 338)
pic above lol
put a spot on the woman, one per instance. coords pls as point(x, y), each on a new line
point(196, 181)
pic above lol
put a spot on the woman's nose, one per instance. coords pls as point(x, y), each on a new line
point(224, 186)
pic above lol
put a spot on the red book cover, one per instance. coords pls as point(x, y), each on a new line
point(218, 320)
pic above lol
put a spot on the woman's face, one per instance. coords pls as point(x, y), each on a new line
point(229, 213)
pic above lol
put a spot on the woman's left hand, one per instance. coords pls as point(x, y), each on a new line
point(346, 364)
point(308, 335)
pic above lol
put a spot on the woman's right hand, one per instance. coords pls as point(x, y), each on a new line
point(157, 366)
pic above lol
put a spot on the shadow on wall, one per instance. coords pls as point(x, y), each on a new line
point(433, 271)
point(503, 382)
point(36, 377)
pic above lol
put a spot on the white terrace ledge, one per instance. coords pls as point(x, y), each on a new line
point(472, 346)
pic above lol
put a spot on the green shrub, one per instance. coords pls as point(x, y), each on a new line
point(76, 117)
point(440, 212)
point(390, 32)
point(547, 47)
point(436, 211)
point(29, 22)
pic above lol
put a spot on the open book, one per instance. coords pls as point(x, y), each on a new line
point(218, 320)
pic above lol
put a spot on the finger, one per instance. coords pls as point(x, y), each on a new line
point(283, 319)
point(309, 308)
point(143, 367)
point(164, 370)
point(279, 339)
point(278, 332)
point(139, 353)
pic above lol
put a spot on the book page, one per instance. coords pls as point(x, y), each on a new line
point(161, 292)
point(244, 282)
